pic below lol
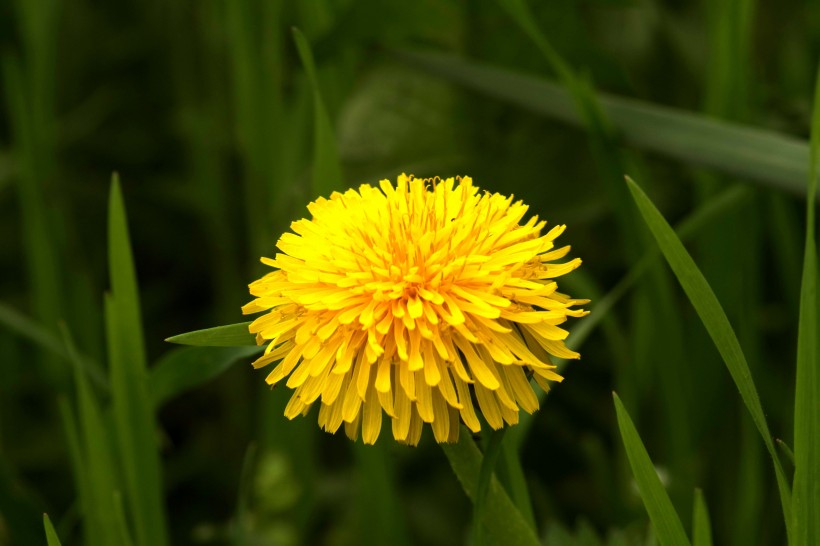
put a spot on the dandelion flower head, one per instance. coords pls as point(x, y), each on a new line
point(427, 302)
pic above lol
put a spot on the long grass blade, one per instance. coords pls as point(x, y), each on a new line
point(231, 335)
point(717, 325)
point(665, 520)
point(188, 367)
point(133, 411)
point(807, 393)
point(485, 474)
point(327, 172)
point(51, 535)
point(119, 523)
point(504, 522)
point(700, 218)
point(381, 517)
point(701, 526)
point(95, 446)
point(769, 158)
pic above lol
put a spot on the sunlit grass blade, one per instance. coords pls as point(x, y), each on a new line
point(51, 535)
point(231, 335)
point(133, 412)
point(767, 157)
point(95, 447)
point(187, 367)
point(807, 390)
point(717, 325)
point(665, 520)
point(327, 172)
point(501, 517)
point(701, 526)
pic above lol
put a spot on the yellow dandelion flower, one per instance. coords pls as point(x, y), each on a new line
point(418, 301)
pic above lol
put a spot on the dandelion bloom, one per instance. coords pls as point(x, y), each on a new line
point(419, 302)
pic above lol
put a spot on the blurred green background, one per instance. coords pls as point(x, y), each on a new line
point(204, 109)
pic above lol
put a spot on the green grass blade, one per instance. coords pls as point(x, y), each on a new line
point(485, 474)
point(701, 526)
point(714, 319)
point(119, 523)
point(787, 451)
point(382, 520)
point(188, 367)
point(231, 335)
point(769, 158)
point(512, 476)
point(98, 461)
point(327, 172)
point(665, 520)
point(700, 218)
point(51, 535)
point(807, 392)
point(504, 522)
point(71, 430)
point(133, 412)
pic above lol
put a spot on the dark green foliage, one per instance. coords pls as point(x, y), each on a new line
point(225, 121)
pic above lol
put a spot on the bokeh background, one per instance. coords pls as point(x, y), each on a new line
point(204, 109)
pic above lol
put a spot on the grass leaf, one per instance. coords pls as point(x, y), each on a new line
point(787, 451)
point(119, 523)
point(327, 171)
point(51, 535)
point(133, 412)
point(701, 526)
point(665, 520)
point(485, 474)
point(806, 501)
point(714, 319)
point(769, 158)
point(95, 447)
point(382, 520)
point(501, 517)
point(188, 367)
point(230, 335)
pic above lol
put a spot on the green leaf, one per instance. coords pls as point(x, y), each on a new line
point(806, 501)
point(95, 447)
point(513, 478)
point(119, 523)
point(769, 158)
point(701, 527)
point(787, 451)
point(51, 535)
point(327, 171)
point(187, 367)
point(665, 520)
point(382, 521)
point(132, 409)
point(714, 319)
point(231, 335)
point(501, 517)
point(697, 220)
point(485, 474)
